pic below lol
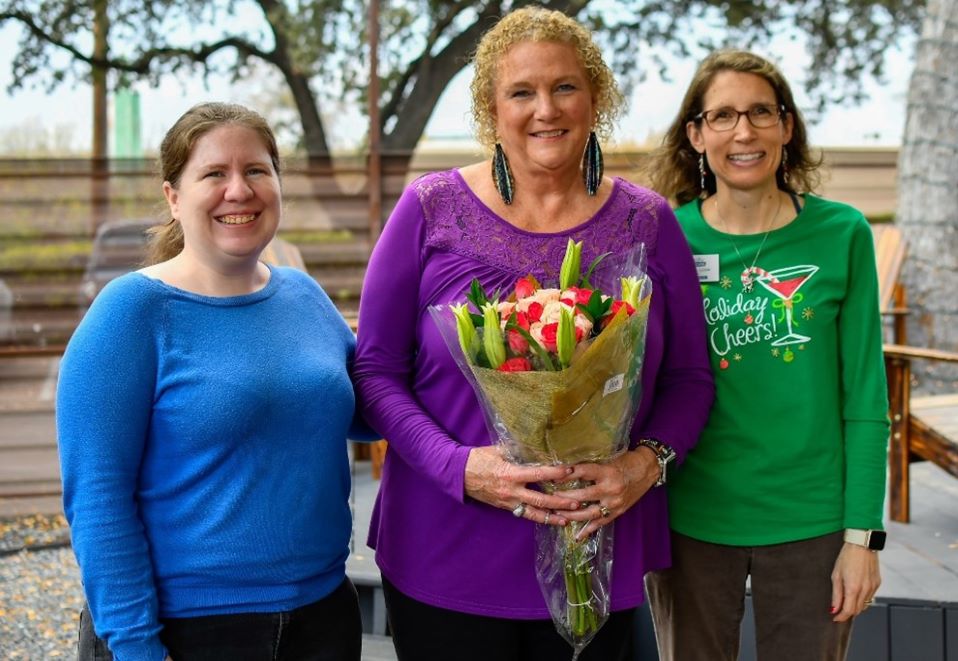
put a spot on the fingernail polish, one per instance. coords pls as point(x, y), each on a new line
point(832, 609)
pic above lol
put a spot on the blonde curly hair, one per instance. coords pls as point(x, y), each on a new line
point(539, 24)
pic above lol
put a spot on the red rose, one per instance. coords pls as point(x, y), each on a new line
point(517, 343)
point(534, 312)
point(524, 288)
point(581, 296)
point(516, 365)
point(549, 336)
point(522, 320)
point(614, 310)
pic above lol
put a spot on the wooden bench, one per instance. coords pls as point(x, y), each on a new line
point(922, 428)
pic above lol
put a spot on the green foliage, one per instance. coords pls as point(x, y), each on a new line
point(477, 296)
point(595, 309)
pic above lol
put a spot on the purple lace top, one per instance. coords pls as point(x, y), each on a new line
point(432, 542)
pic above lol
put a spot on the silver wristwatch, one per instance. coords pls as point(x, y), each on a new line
point(663, 454)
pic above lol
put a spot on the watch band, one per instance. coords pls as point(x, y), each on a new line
point(874, 540)
point(663, 454)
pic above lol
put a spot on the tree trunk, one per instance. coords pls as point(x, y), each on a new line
point(928, 192)
point(314, 135)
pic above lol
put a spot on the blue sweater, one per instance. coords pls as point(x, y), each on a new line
point(203, 453)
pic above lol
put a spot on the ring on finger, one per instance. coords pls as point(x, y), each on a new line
point(604, 511)
point(519, 510)
point(546, 520)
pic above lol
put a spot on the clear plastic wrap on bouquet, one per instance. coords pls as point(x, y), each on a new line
point(563, 406)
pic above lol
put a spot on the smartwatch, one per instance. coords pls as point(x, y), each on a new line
point(873, 540)
point(663, 454)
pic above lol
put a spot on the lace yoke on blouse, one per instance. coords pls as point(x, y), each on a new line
point(456, 221)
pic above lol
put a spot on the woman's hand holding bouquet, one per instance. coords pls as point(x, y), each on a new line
point(494, 480)
point(617, 484)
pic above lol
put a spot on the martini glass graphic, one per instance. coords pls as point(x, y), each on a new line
point(784, 283)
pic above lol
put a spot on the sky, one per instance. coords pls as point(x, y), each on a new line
point(63, 117)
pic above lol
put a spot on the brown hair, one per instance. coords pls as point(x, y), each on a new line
point(166, 240)
point(673, 168)
point(539, 24)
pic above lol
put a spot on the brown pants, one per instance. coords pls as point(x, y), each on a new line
point(697, 604)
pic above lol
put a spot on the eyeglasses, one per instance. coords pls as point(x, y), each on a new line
point(761, 116)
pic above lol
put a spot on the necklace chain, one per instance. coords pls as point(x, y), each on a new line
point(747, 270)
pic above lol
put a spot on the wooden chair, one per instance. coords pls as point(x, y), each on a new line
point(890, 250)
point(922, 428)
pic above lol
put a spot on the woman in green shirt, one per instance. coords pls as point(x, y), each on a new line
point(786, 485)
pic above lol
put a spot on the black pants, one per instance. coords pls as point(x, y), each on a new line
point(327, 630)
point(426, 633)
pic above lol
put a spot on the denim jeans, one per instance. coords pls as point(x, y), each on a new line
point(327, 630)
point(698, 604)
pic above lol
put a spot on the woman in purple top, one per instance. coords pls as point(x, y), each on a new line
point(453, 523)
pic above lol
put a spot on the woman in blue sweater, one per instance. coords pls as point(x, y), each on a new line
point(202, 414)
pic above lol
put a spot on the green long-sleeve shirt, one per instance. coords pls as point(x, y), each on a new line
point(795, 445)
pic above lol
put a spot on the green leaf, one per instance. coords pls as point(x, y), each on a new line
point(595, 262)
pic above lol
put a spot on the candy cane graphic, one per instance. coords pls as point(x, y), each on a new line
point(747, 278)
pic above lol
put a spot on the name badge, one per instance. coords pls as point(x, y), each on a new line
point(707, 267)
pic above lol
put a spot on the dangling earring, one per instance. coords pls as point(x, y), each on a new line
point(592, 165)
point(784, 165)
point(702, 173)
point(502, 175)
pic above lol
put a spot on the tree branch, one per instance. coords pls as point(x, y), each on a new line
point(142, 64)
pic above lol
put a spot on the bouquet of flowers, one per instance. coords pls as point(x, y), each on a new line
point(557, 371)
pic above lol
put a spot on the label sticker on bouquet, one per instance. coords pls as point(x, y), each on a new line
point(614, 384)
point(707, 267)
